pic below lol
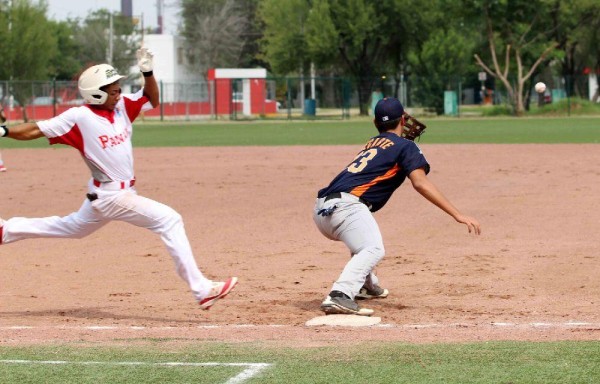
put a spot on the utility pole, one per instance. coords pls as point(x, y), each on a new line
point(142, 27)
point(159, 13)
point(109, 59)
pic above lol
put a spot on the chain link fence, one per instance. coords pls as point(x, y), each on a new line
point(488, 97)
point(289, 98)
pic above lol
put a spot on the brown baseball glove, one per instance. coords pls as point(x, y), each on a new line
point(412, 128)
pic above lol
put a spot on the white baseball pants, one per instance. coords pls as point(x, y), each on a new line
point(114, 203)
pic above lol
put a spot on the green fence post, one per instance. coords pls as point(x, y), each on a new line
point(450, 103)
point(288, 98)
point(162, 110)
point(54, 96)
point(568, 98)
point(345, 99)
point(460, 98)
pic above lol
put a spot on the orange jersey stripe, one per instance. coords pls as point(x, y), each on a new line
point(361, 189)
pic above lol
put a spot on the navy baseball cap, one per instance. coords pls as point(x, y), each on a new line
point(388, 109)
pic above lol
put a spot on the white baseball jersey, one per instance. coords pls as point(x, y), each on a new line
point(102, 137)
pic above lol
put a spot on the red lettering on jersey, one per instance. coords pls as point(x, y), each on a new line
point(103, 140)
point(112, 141)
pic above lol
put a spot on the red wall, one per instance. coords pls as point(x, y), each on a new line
point(224, 106)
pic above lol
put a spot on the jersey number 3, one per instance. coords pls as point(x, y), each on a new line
point(361, 160)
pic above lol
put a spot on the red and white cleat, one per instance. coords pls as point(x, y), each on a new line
point(3, 168)
point(219, 290)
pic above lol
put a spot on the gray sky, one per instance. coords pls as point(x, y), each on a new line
point(63, 9)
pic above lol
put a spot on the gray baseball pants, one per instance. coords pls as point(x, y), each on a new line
point(348, 220)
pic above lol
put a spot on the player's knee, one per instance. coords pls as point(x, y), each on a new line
point(378, 251)
point(173, 219)
point(78, 229)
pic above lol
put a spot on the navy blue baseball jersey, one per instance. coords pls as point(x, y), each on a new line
point(379, 169)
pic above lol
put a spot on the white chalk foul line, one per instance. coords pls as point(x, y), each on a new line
point(252, 369)
point(494, 324)
point(565, 325)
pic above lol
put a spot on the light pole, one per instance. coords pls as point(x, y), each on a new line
point(109, 58)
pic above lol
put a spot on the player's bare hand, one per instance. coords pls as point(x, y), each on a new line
point(471, 223)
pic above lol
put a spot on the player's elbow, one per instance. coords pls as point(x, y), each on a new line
point(419, 185)
point(153, 98)
point(25, 132)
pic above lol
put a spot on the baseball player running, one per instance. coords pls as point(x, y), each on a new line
point(343, 210)
point(101, 131)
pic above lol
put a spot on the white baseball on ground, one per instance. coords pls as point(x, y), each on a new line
point(540, 87)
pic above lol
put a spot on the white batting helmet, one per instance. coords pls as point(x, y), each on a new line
point(94, 78)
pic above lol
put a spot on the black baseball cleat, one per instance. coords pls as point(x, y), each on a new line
point(339, 303)
point(372, 292)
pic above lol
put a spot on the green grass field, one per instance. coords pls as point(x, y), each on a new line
point(486, 362)
point(356, 131)
point(390, 362)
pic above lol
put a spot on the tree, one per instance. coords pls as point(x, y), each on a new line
point(283, 45)
point(93, 37)
point(215, 33)
point(578, 35)
point(67, 62)
point(407, 36)
point(353, 34)
point(24, 24)
point(518, 31)
point(440, 65)
point(360, 39)
point(250, 57)
point(437, 48)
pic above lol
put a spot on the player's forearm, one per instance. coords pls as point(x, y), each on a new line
point(431, 193)
point(428, 190)
point(151, 90)
point(25, 131)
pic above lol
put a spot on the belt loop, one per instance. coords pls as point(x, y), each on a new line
point(335, 195)
point(113, 184)
point(338, 195)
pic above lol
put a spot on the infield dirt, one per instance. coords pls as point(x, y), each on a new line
point(247, 212)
